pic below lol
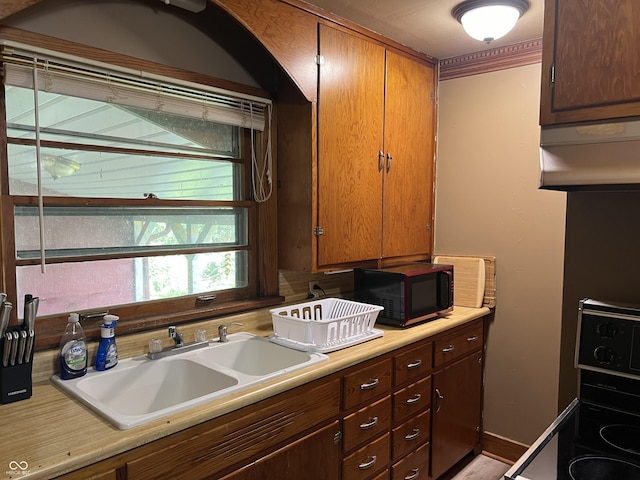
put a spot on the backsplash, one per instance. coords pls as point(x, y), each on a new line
point(293, 286)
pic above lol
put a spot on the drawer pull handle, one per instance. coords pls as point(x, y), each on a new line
point(413, 435)
point(472, 338)
point(415, 399)
point(369, 464)
point(415, 364)
point(415, 473)
point(450, 348)
point(371, 424)
point(372, 384)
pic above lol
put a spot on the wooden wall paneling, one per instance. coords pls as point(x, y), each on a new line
point(297, 178)
point(288, 33)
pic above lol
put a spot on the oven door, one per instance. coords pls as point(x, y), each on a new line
point(542, 459)
point(587, 442)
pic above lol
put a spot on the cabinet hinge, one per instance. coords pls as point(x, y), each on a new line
point(319, 59)
point(428, 227)
point(433, 97)
point(552, 74)
point(337, 438)
point(317, 231)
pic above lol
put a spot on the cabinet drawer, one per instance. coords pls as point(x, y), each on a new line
point(219, 444)
point(92, 473)
point(412, 399)
point(367, 423)
point(411, 434)
point(459, 344)
point(413, 364)
point(414, 466)
point(368, 460)
point(367, 383)
point(382, 476)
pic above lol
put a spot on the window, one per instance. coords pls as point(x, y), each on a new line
point(129, 189)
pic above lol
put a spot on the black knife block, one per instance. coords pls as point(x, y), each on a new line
point(15, 381)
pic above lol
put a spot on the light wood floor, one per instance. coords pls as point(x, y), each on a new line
point(480, 468)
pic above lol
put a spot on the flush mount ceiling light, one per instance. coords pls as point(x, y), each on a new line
point(58, 166)
point(488, 20)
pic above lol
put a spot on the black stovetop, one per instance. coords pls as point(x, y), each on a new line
point(587, 442)
point(597, 437)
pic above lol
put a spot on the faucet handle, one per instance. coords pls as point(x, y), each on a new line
point(176, 335)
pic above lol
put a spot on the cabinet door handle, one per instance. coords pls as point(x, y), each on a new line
point(413, 435)
point(415, 399)
point(415, 364)
point(371, 424)
point(389, 159)
point(372, 384)
point(438, 398)
point(450, 348)
point(472, 338)
point(415, 472)
point(380, 160)
point(368, 464)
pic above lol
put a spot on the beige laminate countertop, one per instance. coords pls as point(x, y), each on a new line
point(55, 434)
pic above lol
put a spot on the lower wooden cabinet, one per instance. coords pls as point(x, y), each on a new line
point(314, 457)
point(367, 461)
point(414, 466)
point(410, 414)
point(456, 412)
point(411, 434)
point(94, 472)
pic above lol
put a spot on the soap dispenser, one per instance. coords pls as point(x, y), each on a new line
point(107, 356)
point(73, 350)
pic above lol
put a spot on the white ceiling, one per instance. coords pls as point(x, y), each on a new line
point(427, 25)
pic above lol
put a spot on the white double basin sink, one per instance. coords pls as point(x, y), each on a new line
point(139, 390)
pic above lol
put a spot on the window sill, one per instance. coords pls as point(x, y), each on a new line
point(49, 332)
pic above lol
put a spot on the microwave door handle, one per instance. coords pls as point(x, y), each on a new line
point(445, 286)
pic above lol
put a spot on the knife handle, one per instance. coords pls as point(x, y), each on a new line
point(14, 348)
point(29, 348)
point(22, 344)
point(6, 348)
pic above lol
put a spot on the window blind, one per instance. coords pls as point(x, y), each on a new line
point(72, 76)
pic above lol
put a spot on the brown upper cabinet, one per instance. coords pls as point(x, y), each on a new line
point(355, 139)
point(590, 61)
point(375, 156)
point(367, 196)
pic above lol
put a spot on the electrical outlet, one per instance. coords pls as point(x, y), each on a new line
point(314, 292)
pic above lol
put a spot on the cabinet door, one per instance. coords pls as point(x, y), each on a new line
point(409, 138)
point(314, 457)
point(456, 412)
point(350, 112)
point(590, 61)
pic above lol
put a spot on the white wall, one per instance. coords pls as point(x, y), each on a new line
point(488, 203)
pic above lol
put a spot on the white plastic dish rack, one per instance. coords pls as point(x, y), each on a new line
point(324, 325)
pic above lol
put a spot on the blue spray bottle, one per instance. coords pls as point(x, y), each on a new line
point(107, 356)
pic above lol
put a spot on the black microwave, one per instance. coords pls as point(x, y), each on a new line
point(409, 293)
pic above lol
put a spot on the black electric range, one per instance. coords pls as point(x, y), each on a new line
point(597, 437)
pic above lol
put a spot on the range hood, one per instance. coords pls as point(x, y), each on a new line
point(591, 157)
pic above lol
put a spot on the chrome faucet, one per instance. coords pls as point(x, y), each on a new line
point(178, 338)
point(222, 331)
point(178, 345)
